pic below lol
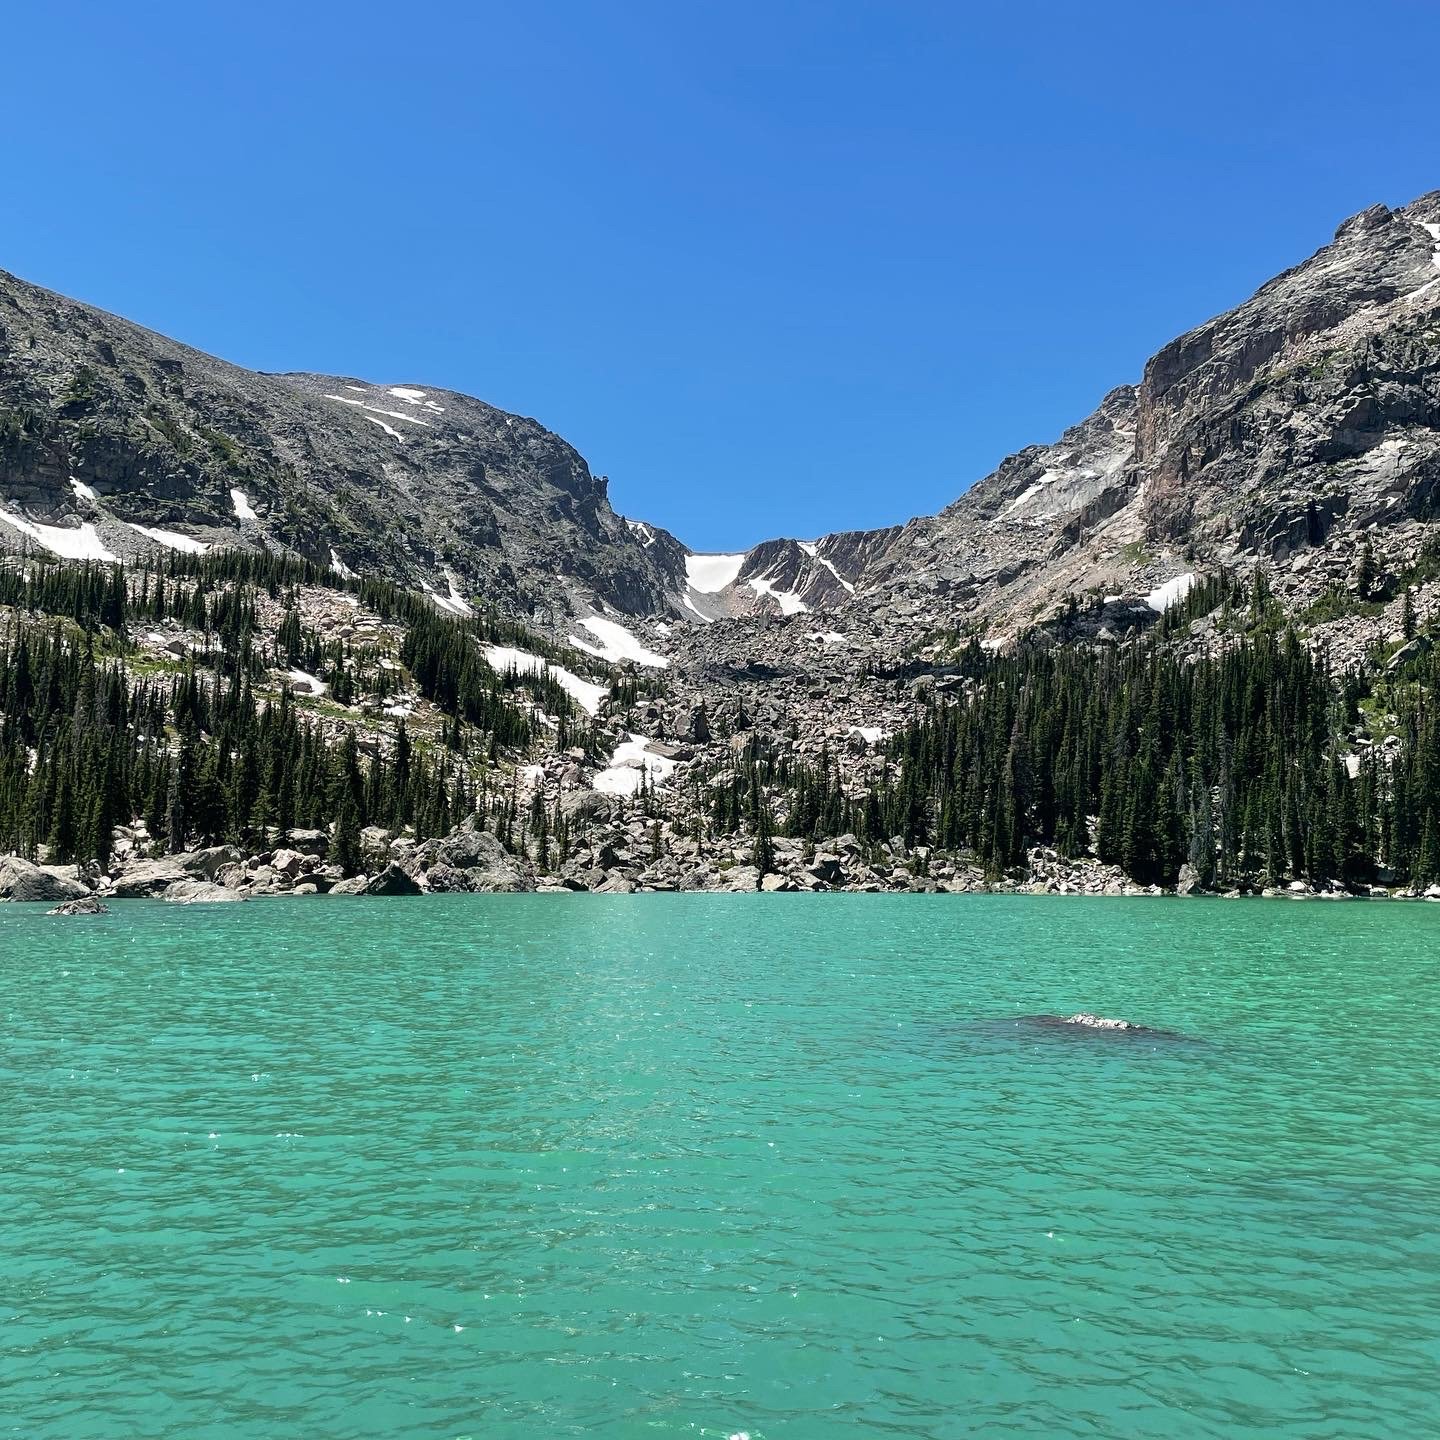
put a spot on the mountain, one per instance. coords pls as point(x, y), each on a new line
point(386, 628)
point(109, 427)
point(1288, 431)
point(1285, 430)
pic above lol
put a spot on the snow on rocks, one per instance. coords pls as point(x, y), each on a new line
point(505, 660)
point(631, 762)
point(170, 539)
point(339, 566)
point(82, 490)
point(1162, 597)
point(244, 510)
point(78, 543)
point(616, 643)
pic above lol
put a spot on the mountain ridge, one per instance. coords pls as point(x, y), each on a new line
point(107, 421)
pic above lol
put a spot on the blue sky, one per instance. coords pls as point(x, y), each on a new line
point(774, 268)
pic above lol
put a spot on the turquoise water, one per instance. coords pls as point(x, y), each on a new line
point(700, 1165)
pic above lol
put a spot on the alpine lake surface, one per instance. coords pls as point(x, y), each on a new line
point(688, 1165)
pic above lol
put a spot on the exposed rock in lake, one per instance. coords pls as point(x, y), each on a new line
point(86, 905)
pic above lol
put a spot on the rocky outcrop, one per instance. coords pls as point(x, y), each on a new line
point(22, 881)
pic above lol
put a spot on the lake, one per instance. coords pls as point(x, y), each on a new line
point(710, 1165)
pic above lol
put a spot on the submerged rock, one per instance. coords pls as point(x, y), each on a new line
point(1086, 1023)
point(86, 905)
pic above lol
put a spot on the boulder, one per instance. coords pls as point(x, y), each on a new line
point(740, 878)
point(825, 867)
point(208, 863)
point(446, 879)
point(20, 881)
point(287, 862)
point(773, 884)
point(86, 905)
point(199, 892)
point(353, 886)
point(1189, 881)
point(392, 880)
point(148, 878)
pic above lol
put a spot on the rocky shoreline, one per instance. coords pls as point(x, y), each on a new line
point(619, 860)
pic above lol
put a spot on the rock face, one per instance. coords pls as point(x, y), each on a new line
point(22, 881)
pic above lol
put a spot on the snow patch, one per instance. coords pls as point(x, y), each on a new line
point(788, 601)
point(376, 410)
point(405, 392)
point(644, 531)
point(630, 764)
point(81, 543)
point(870, 734)
point(313, 683)
point(829, 637)
point(339, 566)
point(390, 430)
point(458, 602)
point(616, 644)
point(689, 604)
point(1162, 597)
point(849, 588)
point(171, 539)
point(710, 574)
point(455, 603)
point(82, 490)
point(505, 659)
point(243, 508)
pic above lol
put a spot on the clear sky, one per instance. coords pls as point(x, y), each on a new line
point(775, 268)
